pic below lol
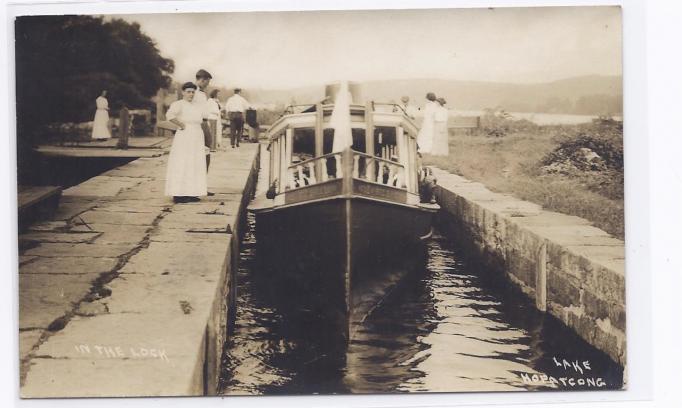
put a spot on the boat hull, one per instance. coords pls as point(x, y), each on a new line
point(340, 256)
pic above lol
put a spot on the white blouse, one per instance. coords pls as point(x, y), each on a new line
point(102, 102)
point(441, 114)
point(186, 112)
point(213, 109)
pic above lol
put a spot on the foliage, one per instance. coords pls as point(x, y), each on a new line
point(604, 138)
point(64, 62)
point(269, 116)
point(499, 123)
point(516, 164)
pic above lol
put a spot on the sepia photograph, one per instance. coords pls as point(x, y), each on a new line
point(320, 202)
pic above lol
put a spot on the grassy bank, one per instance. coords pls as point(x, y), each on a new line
point(540, 164)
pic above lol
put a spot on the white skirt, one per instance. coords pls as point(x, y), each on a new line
point(440, 140)
point(186, 171)
point(425, 137)
point(100, 129)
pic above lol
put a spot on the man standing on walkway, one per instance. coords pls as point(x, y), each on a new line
point(235, 107)
point(203, 78)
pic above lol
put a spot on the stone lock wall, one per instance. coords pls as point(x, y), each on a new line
point(571, 270)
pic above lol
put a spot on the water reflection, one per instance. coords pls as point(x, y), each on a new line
point(442, 329)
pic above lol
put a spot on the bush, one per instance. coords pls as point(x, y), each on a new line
point(499, 123)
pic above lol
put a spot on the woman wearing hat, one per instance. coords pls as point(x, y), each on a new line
point(186, 171)
point(440, 127)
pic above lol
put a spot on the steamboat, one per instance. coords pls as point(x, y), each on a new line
point(343, 206)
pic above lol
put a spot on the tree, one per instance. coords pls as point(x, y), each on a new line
point(64, 62)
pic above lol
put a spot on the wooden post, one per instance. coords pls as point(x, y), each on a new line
point(369, 132)
point(347, 165)
point(283, 172)
point(123, 128)
point(319, 139)
point(160, 111)
point(541, 279)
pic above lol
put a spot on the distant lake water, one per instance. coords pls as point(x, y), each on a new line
point(542, 119)
point(539, 118)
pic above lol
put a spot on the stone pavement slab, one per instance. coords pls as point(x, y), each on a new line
point(69, 265)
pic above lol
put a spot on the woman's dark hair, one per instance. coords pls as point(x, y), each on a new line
point(214, 93)
point(431, 96)
point(188, 85)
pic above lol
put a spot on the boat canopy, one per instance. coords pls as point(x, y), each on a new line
point(383, 149)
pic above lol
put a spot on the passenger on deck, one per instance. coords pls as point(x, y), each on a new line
point(406, 107)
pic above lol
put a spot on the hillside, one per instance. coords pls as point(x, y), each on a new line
point(593, 95)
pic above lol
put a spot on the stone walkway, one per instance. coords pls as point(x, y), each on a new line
point(123, 292)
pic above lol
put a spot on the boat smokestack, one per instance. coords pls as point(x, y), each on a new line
point(331, 92)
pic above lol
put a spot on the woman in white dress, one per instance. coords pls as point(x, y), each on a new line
point(186, 171)
point(426, 133)
point(214, 115)
point(440, 138)
point(100, 126)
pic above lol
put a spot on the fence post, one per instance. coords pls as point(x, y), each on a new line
point(541, 278)
point(123, 128)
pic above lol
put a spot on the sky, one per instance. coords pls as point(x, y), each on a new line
point(280, 50)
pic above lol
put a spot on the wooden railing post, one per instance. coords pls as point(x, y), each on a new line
point(123, 128)
point(347, 165)
point(319, 138)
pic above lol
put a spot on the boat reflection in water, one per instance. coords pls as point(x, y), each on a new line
point(344, 198)
point(444, 328)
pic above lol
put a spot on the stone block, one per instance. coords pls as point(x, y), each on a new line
point(121, 234)
point(44, 298)
point(594, 306)
point(59, 237)
point(608, 284)
point(58, 250)
point(177, 257)
point(119, 218)
point(189, 220)
point(561, 289)
point(69, 266)
point(27, 340)
point(68, 210)
point(101, 186)
point(521, 266)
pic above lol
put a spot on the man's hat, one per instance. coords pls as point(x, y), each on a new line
point(202, 73)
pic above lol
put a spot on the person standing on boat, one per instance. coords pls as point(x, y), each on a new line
point(100, 126)
point(440, 138)
point(426, 133)
point(236, 106)
point(214, 119)
point(203, 79)
point(406, 107)
point(186, 171)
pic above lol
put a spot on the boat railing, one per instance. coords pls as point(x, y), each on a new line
point(331, 166)
point(297, 108)
point(316, 170)
point(379, 170)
